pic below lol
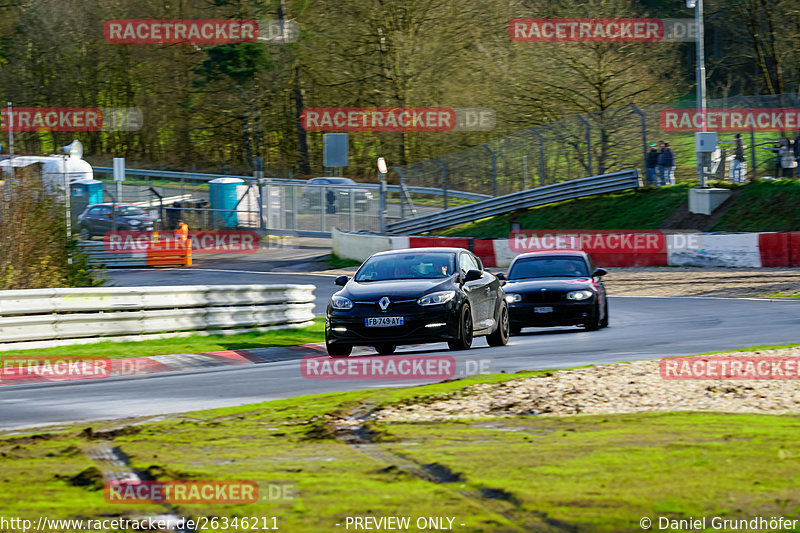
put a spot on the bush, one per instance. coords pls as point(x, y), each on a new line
point(34, 246)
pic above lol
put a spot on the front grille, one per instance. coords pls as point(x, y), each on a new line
point(395, 307)
point(539, 297)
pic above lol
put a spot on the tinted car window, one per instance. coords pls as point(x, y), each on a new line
point(341, 181)
point(406, 266)
point(95, 211)
point(129, 210)
point(549, 267)
point(468, 263)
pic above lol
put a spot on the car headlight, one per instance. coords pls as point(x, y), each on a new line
point(437, 298)
point(513, 297)
point(579, 295)
point(134, 222)
point(340, 302)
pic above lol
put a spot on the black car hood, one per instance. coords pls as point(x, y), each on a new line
point(396, 289)
point(551, 284)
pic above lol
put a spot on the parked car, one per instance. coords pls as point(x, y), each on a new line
point(337, 197)
point(416, 296)
point(98, 219)
point(559, 288)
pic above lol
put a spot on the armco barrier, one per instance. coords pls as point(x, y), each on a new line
point(620, 248)
point(41, 318)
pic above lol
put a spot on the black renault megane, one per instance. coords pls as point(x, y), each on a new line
point(416, 296)
point(559, 288)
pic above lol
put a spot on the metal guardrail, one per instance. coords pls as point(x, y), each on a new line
point(98, 256)
point(173, 175)
point(39, 318)
point(568, 190)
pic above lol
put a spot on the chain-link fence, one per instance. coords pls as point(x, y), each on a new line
point(609, 141)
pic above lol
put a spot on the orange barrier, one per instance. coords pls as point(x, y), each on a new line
point(170, 253)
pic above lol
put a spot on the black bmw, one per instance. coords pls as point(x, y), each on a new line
point(416, 296)
point(561, 288)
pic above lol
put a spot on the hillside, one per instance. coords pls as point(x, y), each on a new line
point(760, 206)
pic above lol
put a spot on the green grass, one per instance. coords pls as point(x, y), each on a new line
point(192, 344)
point(579, 473)
point(764, 206)
point(642, 209)
point(782, 295)
point(334, 261)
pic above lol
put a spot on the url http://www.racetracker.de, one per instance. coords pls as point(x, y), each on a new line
point(45, 524)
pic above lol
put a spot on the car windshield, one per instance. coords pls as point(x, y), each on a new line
point(129, 210)
point(340, 181)
point(407, 266)
point(549, 267)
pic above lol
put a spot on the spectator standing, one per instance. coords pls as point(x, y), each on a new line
point(666, 165)
point(738, 159)
point(652, 163)
point(797, 152)
point(787, 159)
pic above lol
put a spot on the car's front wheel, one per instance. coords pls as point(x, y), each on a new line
point(85, 234)
point(464, 340)
point(499, 337)
point(594, 322)
point(339, 350)
point(604, 322)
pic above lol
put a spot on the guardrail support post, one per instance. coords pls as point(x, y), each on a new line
point(494, 168)
point(541, 155)
point(382, 202)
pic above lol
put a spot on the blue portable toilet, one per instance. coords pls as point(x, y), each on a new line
point(84, 192)
point(224, 195)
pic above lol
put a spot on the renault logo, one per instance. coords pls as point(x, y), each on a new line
point(383, 303)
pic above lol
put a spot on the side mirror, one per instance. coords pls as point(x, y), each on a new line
point(599, 273)
point(500, 276)
point(341, 280)
point(472, 275)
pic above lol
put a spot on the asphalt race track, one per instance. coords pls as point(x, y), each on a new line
point(640, 328)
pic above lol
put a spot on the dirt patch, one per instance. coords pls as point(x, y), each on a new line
point(605, 389)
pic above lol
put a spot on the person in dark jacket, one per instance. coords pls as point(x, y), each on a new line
point(666, 165)
point(652, 163)
point(738, 159)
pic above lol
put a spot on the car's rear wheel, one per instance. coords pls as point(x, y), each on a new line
point(464, 341)
point(499, 337)
point(339, 350)
point(385, 348)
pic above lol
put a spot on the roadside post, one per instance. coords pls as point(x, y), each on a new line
point(258, 174)
point(119, 177)
point(382, 170)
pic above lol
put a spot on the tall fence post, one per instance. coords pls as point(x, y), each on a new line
point(494, 168)
point(445, 176)
point(644, 136)
point(382, 202)
point(588, 145)
point(541, 154)
point(524, 172)
point(753, 153)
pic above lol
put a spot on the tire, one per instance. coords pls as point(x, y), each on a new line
point(85, 234)
point(385, 348)
point(339, 350)
point(499, 337)
point(604, 321)
point(595, 322)
point(464, 341)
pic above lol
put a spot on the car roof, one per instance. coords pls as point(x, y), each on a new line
point(545, 253)
point(422, 250)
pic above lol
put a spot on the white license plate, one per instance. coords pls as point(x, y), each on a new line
point(384, 321)
point(542, 309)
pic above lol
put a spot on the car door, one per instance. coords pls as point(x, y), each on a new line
point(477, 290)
